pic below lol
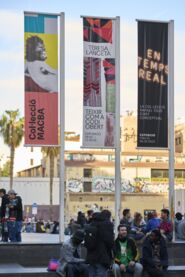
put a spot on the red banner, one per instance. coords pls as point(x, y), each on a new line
point(41, 118)
point(41, 79)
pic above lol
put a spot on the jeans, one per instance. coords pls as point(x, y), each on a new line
point(14, 231)
point(136, 270)
point(18, 231)
point(77, 269)
point(97, 270)
point(4, 231)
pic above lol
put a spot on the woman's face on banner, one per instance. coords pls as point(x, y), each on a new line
point(40, 51)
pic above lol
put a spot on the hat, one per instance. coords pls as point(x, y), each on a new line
point(79, 234)
point(12, 191)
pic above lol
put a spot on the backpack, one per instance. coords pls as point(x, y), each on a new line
point(91, 237)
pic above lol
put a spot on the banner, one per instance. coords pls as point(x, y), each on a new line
point(41, 79)
point(99, 83)
point(152, 85)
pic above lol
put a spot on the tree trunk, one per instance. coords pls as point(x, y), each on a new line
point(12, 154)
point(51, 183)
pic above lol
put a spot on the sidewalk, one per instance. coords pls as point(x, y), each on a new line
point(40, 238)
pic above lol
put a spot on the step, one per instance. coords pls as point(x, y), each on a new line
point(16, 270)
point(29, 254)
point(176, 271)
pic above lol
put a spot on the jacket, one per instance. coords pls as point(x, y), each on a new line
point(166, 225)
point(147, 258)
point(67, 256)
point(152, 224)
point(4, 202)
point(102, 252)
point(131, 245)
point(16, 210)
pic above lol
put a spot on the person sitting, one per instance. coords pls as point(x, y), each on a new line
point(126, 254)
point(137, 227)
point(153, 222)
point(155, 256)
point(126, 219)
point(178, 219)
point(181, 230)
point(70, 258)
point(166, 227)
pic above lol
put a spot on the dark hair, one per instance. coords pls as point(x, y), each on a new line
point(106, 214)
point(3, 191)
point(31, 44)
point(178, 216)
point(122, 225)
point(157, 233)
point(90, 212)
point(165, 211)
point(126, 211)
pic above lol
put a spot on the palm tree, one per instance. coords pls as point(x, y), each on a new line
point(52, 152)
point(12, 131)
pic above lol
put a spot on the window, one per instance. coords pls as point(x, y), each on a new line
point(159, 173)
point(31, 149)
point(88, 172)
point(31, 161)
point(163, 173)
point(178, 141)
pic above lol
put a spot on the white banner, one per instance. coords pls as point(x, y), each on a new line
point(99, 83)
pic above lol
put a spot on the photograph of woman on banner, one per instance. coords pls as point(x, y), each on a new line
point(39, 76)
point(92, 82)
point(109, 132)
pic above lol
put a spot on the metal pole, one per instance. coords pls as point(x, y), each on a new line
point(171, 117)
point(62, 127)
point(117, 138)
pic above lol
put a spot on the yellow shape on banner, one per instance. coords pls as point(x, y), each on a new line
point(51, 45)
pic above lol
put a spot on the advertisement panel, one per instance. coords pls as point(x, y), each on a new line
point(152, 85)
point(41, 79)
point(99, 83)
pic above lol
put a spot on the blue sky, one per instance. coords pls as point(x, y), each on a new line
point(12, 48)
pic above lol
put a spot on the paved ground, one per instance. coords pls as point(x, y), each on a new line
point(40, 238)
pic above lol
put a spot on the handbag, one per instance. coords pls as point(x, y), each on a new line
point(53, 265)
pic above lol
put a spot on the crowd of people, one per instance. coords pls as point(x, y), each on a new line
point(92, 250)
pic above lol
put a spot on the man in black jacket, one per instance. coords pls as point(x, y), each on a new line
point(99, 255)
point(126, 254)
point(155, 256)
point(4, 202)
point(15, 216)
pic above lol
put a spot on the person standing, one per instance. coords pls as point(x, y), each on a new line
point(155, 256)
point(4, 202)
point(126, 254)
point(99, 240)
point(15, 216)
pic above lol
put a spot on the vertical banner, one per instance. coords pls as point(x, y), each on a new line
point(41, 79)
point(152, 85)
point(99, 82)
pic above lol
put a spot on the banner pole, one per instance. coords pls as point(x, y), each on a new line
point(171, 119)
point(117, 137)
point(62, 128)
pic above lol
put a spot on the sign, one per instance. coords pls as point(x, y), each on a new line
point(99, 82)
point(152, 85)
point(41, 79)
point(34, 208)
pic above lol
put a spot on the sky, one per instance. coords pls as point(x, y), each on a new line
point(12, 50)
